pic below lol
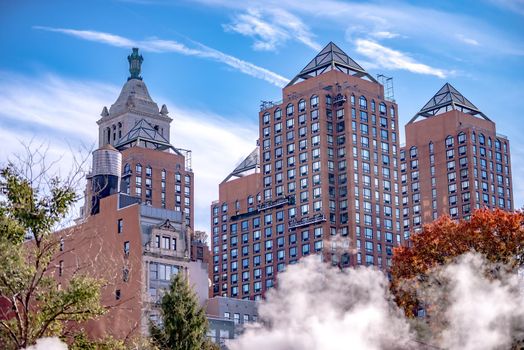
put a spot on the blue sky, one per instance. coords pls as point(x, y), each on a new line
point(212, 61)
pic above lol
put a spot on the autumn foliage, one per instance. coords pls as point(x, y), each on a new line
point(496, 234)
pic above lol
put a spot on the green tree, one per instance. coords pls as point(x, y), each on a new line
point(32, 303)
point(184, 325)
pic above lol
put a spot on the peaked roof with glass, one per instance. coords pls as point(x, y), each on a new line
point(146, 135)
point(329, 58)
point(249, 165)
point(446, 99)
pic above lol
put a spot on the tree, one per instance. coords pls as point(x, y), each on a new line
point(184, 324)
point(496, 234)
point(32, 303)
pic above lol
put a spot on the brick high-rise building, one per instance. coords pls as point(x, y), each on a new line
point(453, 163)
point(135, 231)
point(326, 170)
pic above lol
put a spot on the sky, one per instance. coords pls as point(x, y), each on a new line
point(212, 62)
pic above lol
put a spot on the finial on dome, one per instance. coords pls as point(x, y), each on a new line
point(135, 64)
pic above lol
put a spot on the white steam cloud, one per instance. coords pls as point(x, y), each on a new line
point(48, 344)
point(316, 306)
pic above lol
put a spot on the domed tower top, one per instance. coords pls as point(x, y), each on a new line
point(133, 105)
point(135, 64)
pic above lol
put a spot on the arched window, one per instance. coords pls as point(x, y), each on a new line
point(413, 152)
point(383, 109)
point(431, 147)
point(289, 109)
point(224, 207)
point(114, 132)
point(127, 168)
point(119, 130)
point(278, 114)
point(482, 139)
point(373, 107)
point(138, 169)
point(187, 180)
point(301, 106)
point(313, 101)
point(489, 142)
point(149, 171)
point(108, 135)
point(363, 102)
point(461, 137)
point(505, 147)
point(265, 118)
point(473, 137)
point(352, 100)
point(497, 144)
point(163, 172)
point(392, 112)
point(449, 141)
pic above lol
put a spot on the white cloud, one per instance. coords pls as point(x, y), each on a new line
point(387, 58)
point(467, 40)
point(160, 45)
point(271, 28)
point(384, 35)
point(62, 113)
point(423, 25)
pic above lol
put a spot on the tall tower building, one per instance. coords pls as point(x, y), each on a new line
point(453, 162)
point(153, 170)
point(135, 231)
point(325, 181)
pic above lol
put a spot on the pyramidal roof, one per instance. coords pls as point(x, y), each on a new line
point(251, 162)
point(144, 134)
point(446, 99)
point(329, 58)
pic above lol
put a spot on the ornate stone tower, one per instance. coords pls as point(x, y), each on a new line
point(153, 170)
point(132, 105)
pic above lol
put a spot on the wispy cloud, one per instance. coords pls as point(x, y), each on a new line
point(384, 35)
point(271, 28)
point(422, 24)
point(516, 6)
point(467, 40)
point(62, 112)
point(161, 45)
point(387, 58)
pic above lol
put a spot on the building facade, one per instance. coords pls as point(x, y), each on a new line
point(454, 162)
point(326, 181)
point(136, 227)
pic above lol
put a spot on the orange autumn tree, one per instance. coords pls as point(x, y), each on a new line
point(496, 234)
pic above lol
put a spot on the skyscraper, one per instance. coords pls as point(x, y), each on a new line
point(454, 162)
point(326, 171)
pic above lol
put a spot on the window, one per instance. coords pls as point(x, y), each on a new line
point(126, 248)
point(118, 294)
point(314, 101)
point(363, 102)
point(120, 225)
point(289, 109)
point(449, 141)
